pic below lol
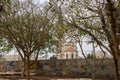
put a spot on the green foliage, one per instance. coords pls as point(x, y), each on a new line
point(5, 46)
point(90, 56)
point(53, 57)
point(28, 29)
point(118, 6)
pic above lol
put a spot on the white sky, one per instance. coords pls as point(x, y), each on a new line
point(40, 1)
point(87, 48)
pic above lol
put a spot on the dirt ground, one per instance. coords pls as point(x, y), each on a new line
point(16, 77)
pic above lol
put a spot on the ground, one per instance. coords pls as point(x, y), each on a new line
point(16, 77)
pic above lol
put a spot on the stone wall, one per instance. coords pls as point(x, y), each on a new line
point(75, 68)
point(10, 66)
point(70, 68)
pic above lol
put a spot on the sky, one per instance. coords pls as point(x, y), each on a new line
point(40, 1)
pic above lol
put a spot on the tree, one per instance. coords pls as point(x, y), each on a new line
point(90, 56)
point(59, 23)
point(29, 28)
point(5, 46)
point(109, 34)
point(53, 57)
point(96, 18)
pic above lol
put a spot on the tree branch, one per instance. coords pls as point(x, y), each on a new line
point(90, 34)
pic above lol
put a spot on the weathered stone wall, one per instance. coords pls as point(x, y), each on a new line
point(71, 67)
point(75, 68)
point(10, 66)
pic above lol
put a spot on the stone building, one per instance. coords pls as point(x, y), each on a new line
point(100, 55)
point(68, 51)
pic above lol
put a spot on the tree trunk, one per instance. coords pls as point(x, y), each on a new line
point(94, 67)
point(116, 62)
point(28, 68)
point(23, 71)
point(112, 18)
point(116, 69)
point(93, 75)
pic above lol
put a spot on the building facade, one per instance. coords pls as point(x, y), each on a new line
point(68, 51)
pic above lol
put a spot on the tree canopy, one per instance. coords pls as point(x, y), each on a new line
point(97, 19)
point(29, 28)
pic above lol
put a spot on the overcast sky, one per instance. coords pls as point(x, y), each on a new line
point(40, 1)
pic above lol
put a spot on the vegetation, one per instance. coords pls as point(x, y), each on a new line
point(90, 56)
point(28, 27)
point(53, 57)
point(94, 19)
point(31, 28)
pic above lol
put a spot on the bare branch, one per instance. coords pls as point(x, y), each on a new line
point(94, 38)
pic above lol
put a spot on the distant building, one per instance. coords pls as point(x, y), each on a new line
point(100, 55)
point(12, 57)
point(17, 57)
point(68, 51)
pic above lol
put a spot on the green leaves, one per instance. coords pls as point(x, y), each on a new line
point(29, 29)
point(5, 45)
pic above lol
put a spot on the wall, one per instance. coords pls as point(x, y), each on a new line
point(75, 68)
point(70, 67)
point(10, 66)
